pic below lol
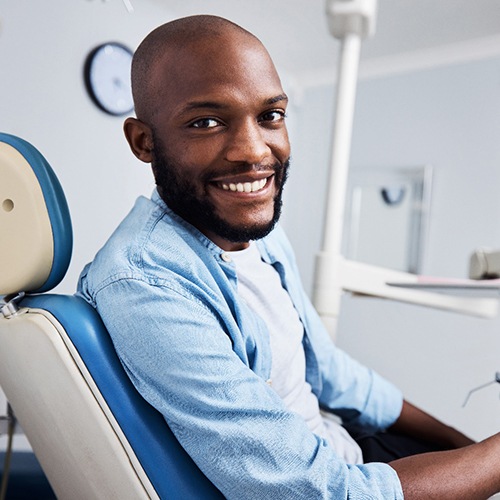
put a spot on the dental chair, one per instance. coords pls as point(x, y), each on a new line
point(93, 434)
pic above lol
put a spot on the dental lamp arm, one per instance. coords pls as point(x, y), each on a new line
point(351, 21)
point(335, 275)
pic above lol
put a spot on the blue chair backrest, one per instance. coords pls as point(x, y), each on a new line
point(169, 468)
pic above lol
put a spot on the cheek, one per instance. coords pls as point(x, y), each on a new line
point(198, 158)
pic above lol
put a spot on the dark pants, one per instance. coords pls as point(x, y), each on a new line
point(388, 446)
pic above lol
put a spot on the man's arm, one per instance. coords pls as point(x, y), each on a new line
point(227, 418)
point(468, 470)
point(472, 472)
point(419, 424)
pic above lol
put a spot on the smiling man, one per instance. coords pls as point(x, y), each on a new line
point(200, 293)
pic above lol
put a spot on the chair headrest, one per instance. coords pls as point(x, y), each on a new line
point(35, 224)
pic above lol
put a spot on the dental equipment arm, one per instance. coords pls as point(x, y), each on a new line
point(351, 21)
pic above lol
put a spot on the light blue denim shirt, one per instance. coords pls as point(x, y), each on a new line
point(198, 354)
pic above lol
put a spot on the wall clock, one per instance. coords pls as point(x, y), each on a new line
point(107, 78)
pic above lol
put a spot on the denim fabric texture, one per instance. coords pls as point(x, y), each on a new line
point(198, 354)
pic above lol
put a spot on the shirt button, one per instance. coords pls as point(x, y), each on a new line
point(269, 382)
point(225, 257)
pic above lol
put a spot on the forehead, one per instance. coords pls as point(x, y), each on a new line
point(222, 69)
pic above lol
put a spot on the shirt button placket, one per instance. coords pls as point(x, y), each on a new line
point(225, 257)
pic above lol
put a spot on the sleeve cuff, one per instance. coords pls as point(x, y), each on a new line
point(383, 409)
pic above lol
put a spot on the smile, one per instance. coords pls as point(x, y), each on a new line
point(244, 187)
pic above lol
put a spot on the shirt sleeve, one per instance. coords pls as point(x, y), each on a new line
point(356, 393)
point(233, 425)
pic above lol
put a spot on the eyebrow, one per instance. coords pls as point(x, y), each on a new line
point(278, 98)
point(218, 105)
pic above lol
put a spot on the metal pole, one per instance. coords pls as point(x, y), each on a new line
point(350, 21)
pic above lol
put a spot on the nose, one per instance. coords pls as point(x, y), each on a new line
point(247, 144)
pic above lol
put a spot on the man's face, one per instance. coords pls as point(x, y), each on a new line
point(181, 194)
point(221, 147)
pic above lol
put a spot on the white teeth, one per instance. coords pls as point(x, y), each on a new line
point(245, 187)
point(256, 185)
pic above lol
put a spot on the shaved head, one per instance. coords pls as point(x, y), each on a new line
point(167, 40)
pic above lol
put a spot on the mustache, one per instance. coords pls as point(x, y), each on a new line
point(245, 168)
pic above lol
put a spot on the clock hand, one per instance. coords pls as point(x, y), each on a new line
point(128, 5)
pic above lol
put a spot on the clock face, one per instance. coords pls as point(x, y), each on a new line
point(107, 78)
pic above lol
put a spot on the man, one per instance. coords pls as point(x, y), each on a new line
point(201, 296)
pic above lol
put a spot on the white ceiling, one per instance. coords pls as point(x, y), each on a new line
point(296, 34)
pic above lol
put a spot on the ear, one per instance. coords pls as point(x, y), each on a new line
point(140, 139)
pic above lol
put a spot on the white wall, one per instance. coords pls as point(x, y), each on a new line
point(447, 117)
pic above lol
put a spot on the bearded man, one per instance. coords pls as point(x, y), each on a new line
point(201, 295)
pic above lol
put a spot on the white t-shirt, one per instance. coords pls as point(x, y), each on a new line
point(260, 286)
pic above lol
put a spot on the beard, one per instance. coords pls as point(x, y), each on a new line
point(181, 195)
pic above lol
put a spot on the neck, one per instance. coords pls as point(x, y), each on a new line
point(228, 246)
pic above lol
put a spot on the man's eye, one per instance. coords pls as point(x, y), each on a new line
point(273, 116)
point(205, 123)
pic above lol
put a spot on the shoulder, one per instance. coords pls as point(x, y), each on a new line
point(151, 245)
